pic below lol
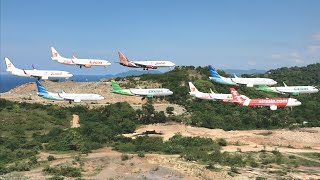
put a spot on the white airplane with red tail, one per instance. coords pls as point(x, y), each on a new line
point(210, 96)
point(79, 62)
point(40, 74)
point(146, 65)
point(273, 103)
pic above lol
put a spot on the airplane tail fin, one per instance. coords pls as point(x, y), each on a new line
point(213, 72)
point(55, 53)
point(41, 89)
point(115, 86)
point(9, 64)
point(122, 58)
point(192, 87)
point(236, 97)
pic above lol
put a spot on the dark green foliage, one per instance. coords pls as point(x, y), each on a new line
point(51, 158)
point(63, 171)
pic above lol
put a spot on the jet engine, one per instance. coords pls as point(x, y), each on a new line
point(249, 85)
point(87, 65)
point(273, 107)
point(77, 100)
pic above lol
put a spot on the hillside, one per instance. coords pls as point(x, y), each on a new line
point(123, 137)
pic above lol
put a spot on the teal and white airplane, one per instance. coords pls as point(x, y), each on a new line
point(249, 82)
point(149, 93)
point(291, 90)
point(63, 96)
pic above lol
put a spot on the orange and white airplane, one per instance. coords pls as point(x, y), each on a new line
point(79, 62)
point(144, 64)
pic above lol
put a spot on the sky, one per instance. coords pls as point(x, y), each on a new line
point(227, 34)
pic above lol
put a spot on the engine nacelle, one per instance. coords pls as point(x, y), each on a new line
point(87, 65)
point(77, 100)
point(250, 85)
point(273, 107)
point(296, 93)
point(149, 66)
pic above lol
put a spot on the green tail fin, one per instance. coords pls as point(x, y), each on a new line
point(115, 86)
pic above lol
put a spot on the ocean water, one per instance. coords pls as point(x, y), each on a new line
point(8, 81)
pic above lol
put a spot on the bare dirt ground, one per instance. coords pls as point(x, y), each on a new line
point(75, 121)
point(28, 93)
point(250, 140)
point(105, 163)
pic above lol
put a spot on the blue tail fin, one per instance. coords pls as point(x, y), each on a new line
point(41, 89)
point(213, 72)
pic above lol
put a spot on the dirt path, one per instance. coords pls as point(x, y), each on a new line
point(75, 121)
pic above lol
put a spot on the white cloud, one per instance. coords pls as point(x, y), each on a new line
point(276, 56)
point(316, 36)
point(293, 57)
point(312, 49)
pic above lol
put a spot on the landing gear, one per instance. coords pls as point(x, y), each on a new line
point(70, 101)
point(80, 67)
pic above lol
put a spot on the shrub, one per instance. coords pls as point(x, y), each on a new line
point(221, 142)
point(51, 158)
point(141, 154)
point(124, 157)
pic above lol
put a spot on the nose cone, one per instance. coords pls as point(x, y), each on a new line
point(100, 97)
point(274, 82)
point(172, 64)
point(69, 75)
point(170, 93)
point(316, 90)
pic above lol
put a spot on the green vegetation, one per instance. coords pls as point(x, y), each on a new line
point(26, 129)
point(212, 114)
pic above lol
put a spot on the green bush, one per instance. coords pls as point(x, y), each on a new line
point(51, 158)
point(124, 157)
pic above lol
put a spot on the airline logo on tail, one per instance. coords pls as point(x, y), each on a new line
point(123, 59)
point(213, 72)
point(41, 89)
point(236, 97)
point(192, 87)
point(9, 64)
point(54, 52)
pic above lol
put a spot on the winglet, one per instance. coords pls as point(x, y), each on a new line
point(123, 59)
point(9, 64)
point(192, 87)
point(55, 53)
point(285, 84)
point(115, 86)
point(213, 72)
point(235, 76)
point(41, 89)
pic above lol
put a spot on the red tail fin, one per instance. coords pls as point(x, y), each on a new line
point(236, 97)
point(123, 59)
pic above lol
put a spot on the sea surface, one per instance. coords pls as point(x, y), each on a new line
point(8, 81)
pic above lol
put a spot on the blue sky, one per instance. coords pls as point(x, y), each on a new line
point(227, 34)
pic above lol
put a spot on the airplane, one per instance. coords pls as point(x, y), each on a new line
point(87, 63)
point(249, 82)
point(210, 96)
point(273, 103)
point(40, 74)
point(149, 93)
point(146, 65)
point(63, 96)
point(291, 90)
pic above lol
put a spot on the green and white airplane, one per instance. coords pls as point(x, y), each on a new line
point(291, 90)
point(149, 93)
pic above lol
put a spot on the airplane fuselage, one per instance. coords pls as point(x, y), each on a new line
point(294, 89)
point(43, 74)
point(250, 82)
point(82, 62)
